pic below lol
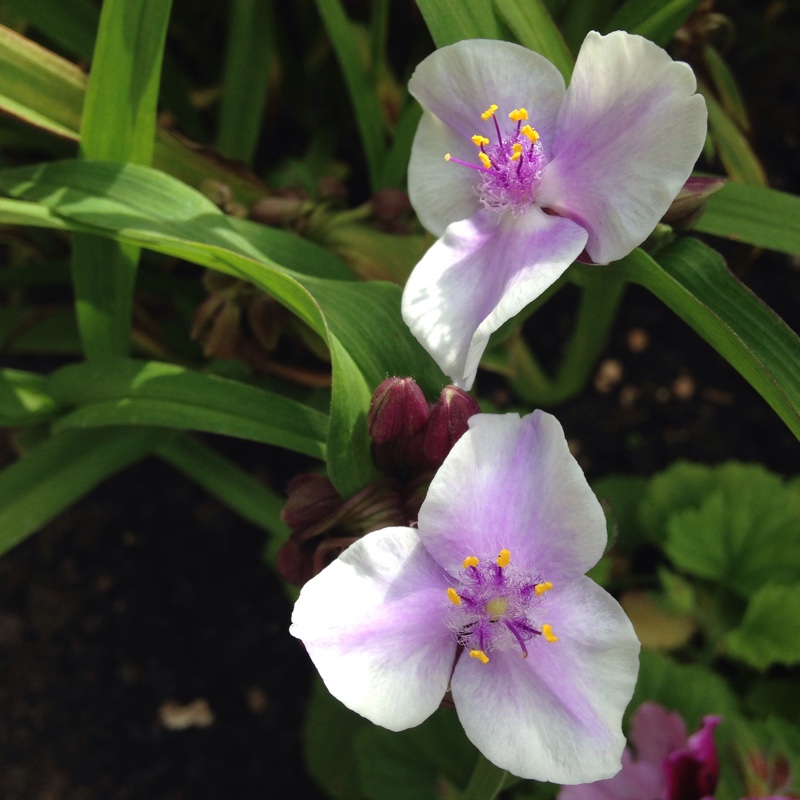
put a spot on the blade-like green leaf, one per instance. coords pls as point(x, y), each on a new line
point(755, 215)
point(118, 124)
point(70, 23)
point(695, 283)
point(655, 19)
point(360, 85)
point(60, 471)
point(23, 398)
point(360, 322)
point(230, 484)
point(451, 21)
point(128, 392)
point(245, 77)
point(533, 26)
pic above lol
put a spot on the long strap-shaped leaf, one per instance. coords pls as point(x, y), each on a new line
point(119, 122)
point(359, 321)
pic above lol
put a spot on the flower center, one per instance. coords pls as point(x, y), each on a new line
point(493, 606)
point(510, 168)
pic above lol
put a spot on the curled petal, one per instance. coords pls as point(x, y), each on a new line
point(482, 272)
point(512, 483)
point(628, 134)
point(372, 622)
point(557, 714)
point(656, 732)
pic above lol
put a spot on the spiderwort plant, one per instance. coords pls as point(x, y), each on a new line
point(520, 176)
point(487, 599)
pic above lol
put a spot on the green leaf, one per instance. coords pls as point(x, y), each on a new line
point(755, 215)
point(770, 631)
point(360, 85)
point(726, 87)
point(578, 18)
point(695, 283)
point(734, 150)
point(360, 322)
point(743, 533)
point(127, 392)
point(61, 471)
point(118, 124)
point(655, 19)
point(23, 398)
point(71, 23)
point(412, 763)
point(622, 494)
point(230, 484)
point(450, 21)
point(691, 690)
point(249, 56)
point(533, 27)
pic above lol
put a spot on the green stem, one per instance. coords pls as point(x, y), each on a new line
point(486, 782)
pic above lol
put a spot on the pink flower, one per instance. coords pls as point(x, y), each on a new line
point(535, 175)
point(488, 598)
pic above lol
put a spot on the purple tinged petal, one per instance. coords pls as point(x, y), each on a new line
point(372, 622)
point(556, 715)
point(635, 781)
point(482, 272)
point(629, 132)
point(512, 483)
point(656, 732)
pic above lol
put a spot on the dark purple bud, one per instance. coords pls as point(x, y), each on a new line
point(448, 423)
point(692, 772)
point(687, 207)
point(311, 501)
point(398, 410)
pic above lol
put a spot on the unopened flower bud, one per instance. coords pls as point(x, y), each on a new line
point(687, 207)
point(398, 410)
point(692, 772)
point(447, 423)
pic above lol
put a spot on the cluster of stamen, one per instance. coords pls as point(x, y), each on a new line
point(493, 606)
point(511, 168)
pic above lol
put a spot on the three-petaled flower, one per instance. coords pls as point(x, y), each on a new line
point(488, 597)
point(519, 175)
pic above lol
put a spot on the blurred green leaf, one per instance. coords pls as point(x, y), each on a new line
point(755, 215)
point(71, 23)
point(770, 631)
point(450, 21)
point(726, 87)
point(23, 398)
point(734, 150)
point(533, 27)
point(249, 55)
point(32, 330)
point(655, 19)
point(361, 85)
point(694, 281)
point(621, 495)
point(691, 690)
point(230, 484)
point(61, 471)
point(127, 392)
point(360, 322)
point(578, 18)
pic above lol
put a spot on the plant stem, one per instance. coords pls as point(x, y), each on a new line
point(486, 782)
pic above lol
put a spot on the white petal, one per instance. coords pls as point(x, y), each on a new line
point(457, 84)
point(482, 272)
point(629, 132)
point(373, 624)
point(556, 715)
point(512, 483)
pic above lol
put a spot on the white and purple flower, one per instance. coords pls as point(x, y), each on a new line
point(519, 175)
point(488, 598)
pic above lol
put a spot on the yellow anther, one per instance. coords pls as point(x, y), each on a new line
point(547, 632)
point(485, 160)
point(517, 148)
point(541, 588)
point(447, 156)
point(529, 132)
point(453, 596)
point(504, 559)
point(480, 655)
point(489, 112)
point(479, 140)
point(471, 561)
point(518, 114)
